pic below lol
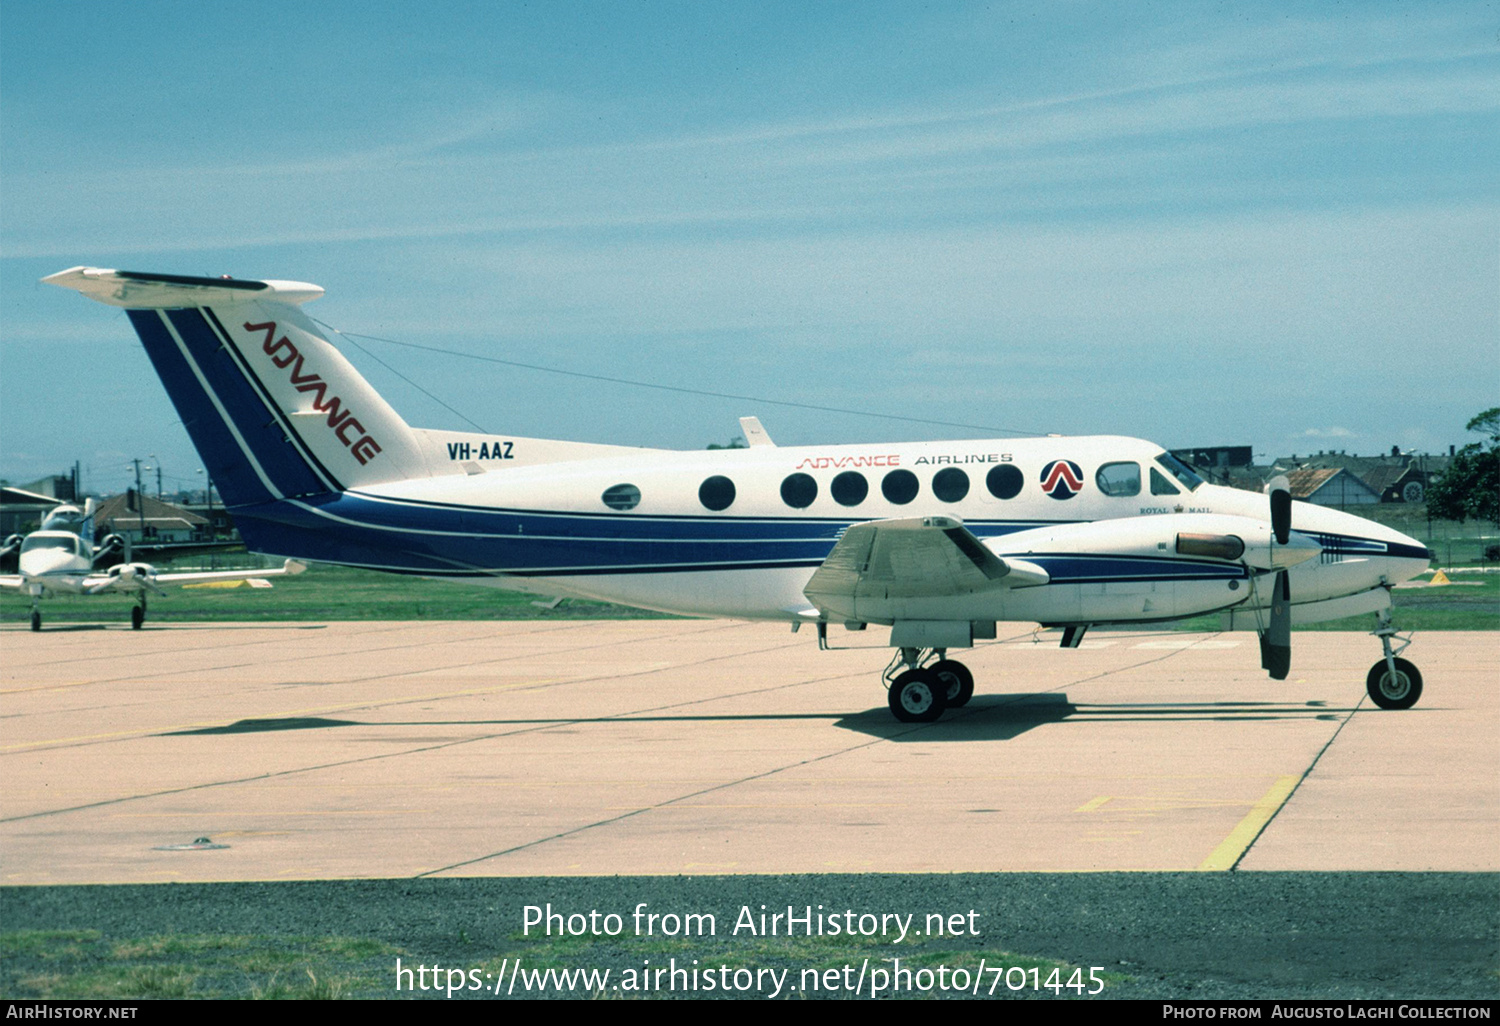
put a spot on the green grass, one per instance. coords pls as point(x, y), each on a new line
point(328, 593)
point(323, 593)
point(1452, 543)
point(77, 964)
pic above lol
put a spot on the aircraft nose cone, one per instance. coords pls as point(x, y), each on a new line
point(1414, 555)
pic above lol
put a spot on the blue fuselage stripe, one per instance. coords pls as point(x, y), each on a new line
point(409, 537)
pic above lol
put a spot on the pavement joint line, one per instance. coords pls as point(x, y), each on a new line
point(163, 632)
point(316, 710)
point(158, 678)
point(381, 704)
point(531, 728)
point(1305, 774)
point(1259, 819)
point(1229, 852)
point(703, 791)
point(651, 808)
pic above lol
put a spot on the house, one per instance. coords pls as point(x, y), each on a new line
point(1330, 486)
point(141, 519)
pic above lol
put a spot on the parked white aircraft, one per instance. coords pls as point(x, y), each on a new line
point(936, 540)
point(59, 559)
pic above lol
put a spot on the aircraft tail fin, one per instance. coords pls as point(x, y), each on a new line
point(273, 408)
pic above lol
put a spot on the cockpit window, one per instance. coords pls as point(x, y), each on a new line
point(1161, 486)
point(63, 518)
point(1180, 470)
point(73, 546)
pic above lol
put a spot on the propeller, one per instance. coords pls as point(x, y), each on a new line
point(112, 545)
point(1276, 639)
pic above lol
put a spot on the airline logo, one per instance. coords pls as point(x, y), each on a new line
point(341, 420)
point(1062, 479)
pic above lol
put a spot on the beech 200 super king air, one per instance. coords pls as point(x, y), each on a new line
point(935, 540)
point(59, 559)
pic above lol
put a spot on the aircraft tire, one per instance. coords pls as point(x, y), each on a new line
point(917, 696)
point(137, 617)
point(959, 680)
point(36, 620)
point(1400, 693)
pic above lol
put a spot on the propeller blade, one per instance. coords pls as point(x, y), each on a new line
point(1276, 642)
point(1281, 509)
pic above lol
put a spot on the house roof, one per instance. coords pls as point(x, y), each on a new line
point(1307, 482)
point(1383, 478)
point(152, 510)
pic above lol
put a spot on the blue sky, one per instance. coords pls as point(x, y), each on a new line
point(1275, 225)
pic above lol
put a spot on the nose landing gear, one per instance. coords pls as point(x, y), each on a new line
point(1392, 683)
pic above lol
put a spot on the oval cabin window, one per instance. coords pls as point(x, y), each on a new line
point(1004, 481)
point(799, 490)
point(622, 496)
point(1119, 479)
point(716, 493)
point(849, 488)
point(950, 484)
point(900, 487)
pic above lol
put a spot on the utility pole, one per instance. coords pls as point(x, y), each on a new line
point(140, 500)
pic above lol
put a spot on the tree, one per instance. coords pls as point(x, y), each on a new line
point(1470, 487)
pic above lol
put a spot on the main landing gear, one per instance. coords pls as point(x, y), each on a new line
point(929, 684)
point(1392, 683)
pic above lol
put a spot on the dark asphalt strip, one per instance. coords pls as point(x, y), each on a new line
point(1160, 935)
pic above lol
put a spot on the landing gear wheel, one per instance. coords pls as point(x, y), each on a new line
point(137, 617)
point(36, 620)
point(959, 680)
point(1398, 692)
point(918, 696)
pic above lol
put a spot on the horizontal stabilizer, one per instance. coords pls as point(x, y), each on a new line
point(138, 290)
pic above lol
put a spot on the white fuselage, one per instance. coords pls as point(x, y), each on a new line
point(549, 528)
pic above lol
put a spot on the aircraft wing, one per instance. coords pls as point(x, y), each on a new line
point(291, 566)
point(11, 582)
point(912, 558)
point(100, 583)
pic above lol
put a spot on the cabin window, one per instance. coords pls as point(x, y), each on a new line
point(950, 484)
point(1004, 481)
point(1161, 486)
point(799, 490)
point(849, 488)
point(1119, 479)
point(900, 487)
point(716, 493)
point(622, 496)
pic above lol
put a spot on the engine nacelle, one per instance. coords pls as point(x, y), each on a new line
point(112, 545)
point(10, 554)
point(1217, 536)
point(132, 571)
